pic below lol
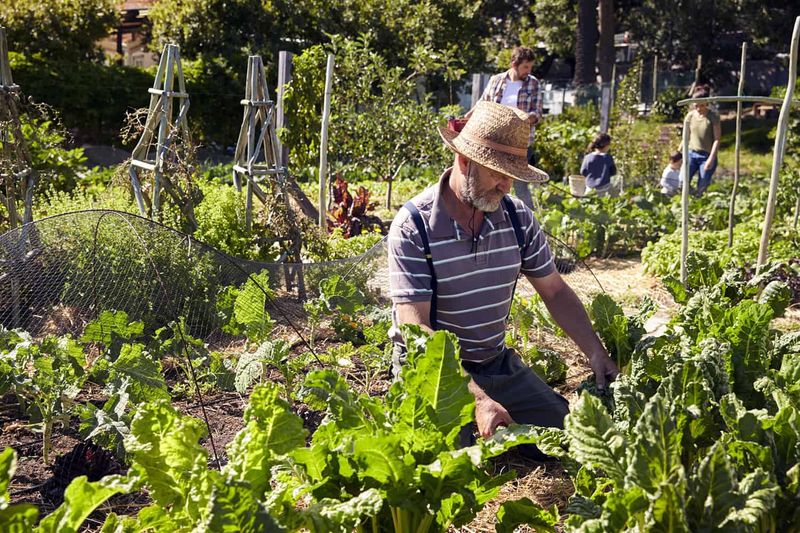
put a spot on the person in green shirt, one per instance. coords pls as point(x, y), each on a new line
point(704, 135)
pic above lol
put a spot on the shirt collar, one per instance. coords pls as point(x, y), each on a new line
point(442, 225)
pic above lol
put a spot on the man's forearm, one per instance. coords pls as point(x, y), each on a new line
point(569, 313)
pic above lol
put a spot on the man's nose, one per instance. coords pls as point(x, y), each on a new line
point(505, 185)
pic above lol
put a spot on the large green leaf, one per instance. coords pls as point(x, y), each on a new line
point(381, 458)
point(18, 518)
point(757, 510)
point(655, 453)
point(250, 366)
point(343, 516)
point(438, 379)
point(249, 309)
point(81, 498)
point(712, 491)
point(141, 371)
point(524, 511)
point(111, 329)
point(233, 508)
point(167, 457)
point(271, 429)
point(667, 510)
point(593, 439)
point(326, 389)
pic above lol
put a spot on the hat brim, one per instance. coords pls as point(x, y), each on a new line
point(513, 166)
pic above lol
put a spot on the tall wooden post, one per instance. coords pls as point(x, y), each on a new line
point(780, 148)
point(284, 77)
point(655, 78)
point(685, 201)
point(323, 146)
point(735, 190)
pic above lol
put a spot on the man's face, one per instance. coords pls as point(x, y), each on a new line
point(523, 69)
point(484, 188)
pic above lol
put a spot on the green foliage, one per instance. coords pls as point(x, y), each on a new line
point(693, 436)
point(607, 226)
point(251, 367)
point(46, 377)
point(73, 87)
point(243, 309)
point(561, 140)
point(377, 123)
point(666, 105)
point(215, 28)
point(14, 517)
point(68, 30)
point(342, 301)
point(221, 224)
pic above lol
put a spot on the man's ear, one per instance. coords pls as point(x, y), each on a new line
point(462, 162)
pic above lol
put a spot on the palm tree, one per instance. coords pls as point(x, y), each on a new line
point(586, 43)
point(605, 48)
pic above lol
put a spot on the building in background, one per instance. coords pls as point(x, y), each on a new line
point(127, 44)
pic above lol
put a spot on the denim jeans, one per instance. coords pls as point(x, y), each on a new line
point(696, 161)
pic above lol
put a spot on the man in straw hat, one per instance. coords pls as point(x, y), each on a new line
point(459, 273)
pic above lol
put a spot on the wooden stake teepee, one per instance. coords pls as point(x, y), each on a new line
point(162, 124)
point(17, 178)
point(256, 139)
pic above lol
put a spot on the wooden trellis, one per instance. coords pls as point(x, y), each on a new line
point(17, 177)
point(777, 159)
point(257, 158)
point(147, 155)
point(256, 138)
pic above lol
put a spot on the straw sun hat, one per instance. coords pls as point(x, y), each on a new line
point(496, 137)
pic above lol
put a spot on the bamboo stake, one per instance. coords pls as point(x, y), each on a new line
point(251, 92)
point(780, 148)
point(685, 201)
point(323, 147)
point(735, 189)
point(796, 212)
point(655, 78)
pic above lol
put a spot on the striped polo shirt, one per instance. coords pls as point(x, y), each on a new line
point(474, 286)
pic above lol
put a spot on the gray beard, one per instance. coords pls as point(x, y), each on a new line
point(470, 194)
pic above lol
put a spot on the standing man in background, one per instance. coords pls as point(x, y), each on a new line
point(518, 88)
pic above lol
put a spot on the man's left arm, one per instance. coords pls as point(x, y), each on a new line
point(569, 313)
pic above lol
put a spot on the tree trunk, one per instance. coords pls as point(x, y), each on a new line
point(586, 43)
point(605, 49)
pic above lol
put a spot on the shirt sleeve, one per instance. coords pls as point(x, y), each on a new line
point(613, 167)
point(409, 275)
point(536, 104)
point(537, 259)
point(584, 166)
point(488, 91)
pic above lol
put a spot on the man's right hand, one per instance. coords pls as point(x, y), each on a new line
point(490, 415)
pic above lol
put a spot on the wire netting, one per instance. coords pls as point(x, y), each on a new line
point(59, 273)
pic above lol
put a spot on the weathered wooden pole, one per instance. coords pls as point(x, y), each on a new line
point(323, 147)
point(735, 190)
point(284, 77)
point(796, 212)
point(655, 78)
point(780, 148)
point(685, 201)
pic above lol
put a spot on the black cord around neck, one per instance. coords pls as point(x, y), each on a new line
point(472, 230)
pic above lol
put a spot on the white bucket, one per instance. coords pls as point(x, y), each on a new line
point(577, 185)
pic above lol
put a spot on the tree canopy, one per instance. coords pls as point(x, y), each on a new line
point(63, 29)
